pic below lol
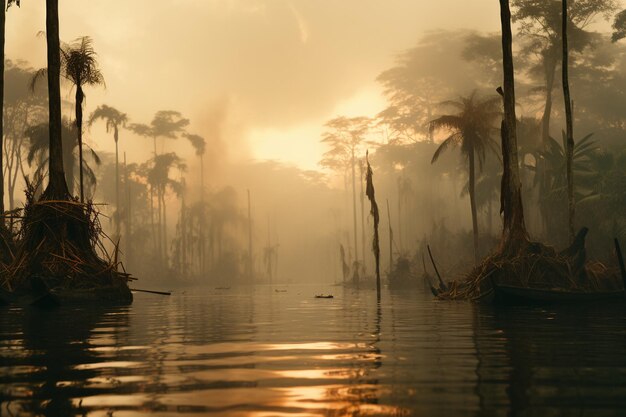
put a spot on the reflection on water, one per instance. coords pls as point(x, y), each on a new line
point(254, 352)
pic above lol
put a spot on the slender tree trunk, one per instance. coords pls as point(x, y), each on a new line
point(159, 222)
point(362, 200)
point(549, 63)
point(57, 187)
point(2, 36)
point(390, 238)
point(183, 235)
point(117, 183)
point(128, 216)
point(569, 123)
point(356, 248)
point(164, 208)
point(514, 228)
point(69, 162)
point(250, 273)
point(152, 223)
point(472, 196)
point(79, 128)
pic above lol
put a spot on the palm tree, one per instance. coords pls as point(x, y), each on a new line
point(79, 66)
point(199, 145)
point(114, 120)
point(166, 124)
point(4, 6)
point(471, 128)
point(159, 179)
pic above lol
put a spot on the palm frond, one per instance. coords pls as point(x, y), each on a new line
point(450, 141)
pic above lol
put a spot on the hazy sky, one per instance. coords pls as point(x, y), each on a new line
point(268, 72)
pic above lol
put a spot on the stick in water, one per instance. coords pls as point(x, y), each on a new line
point(374, 212)
point(441, 283)
point(152, 292)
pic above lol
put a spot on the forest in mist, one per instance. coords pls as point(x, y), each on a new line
point(189, 203)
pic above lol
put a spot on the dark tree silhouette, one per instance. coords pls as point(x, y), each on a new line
point(57, 187)
point(471, 128)
point(114, 120)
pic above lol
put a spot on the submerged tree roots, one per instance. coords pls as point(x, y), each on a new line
point(57, 247)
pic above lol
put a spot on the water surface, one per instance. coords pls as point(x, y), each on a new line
point(258, 352)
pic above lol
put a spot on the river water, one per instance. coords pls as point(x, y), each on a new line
point(259, 352)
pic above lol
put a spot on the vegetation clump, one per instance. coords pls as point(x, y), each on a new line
point(57, 250)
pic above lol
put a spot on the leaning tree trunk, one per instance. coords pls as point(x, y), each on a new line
point(80, 96)
point(569, 123)
point(514, 230)
point(57, 187)
point(472, 196)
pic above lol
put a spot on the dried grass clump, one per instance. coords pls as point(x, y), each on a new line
point(536, 266)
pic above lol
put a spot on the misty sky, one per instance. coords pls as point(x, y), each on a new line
point(259, 76)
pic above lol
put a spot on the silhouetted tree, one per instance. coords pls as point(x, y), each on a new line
point(159, 178)
point(165, 124)
point(471, 128)
point(4, 6)
point(79, 66)
point(569, 123)
point(114, 120)
point(345, 136)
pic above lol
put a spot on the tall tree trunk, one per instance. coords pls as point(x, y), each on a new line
point(117, 183)
point(362, 200)
point(128, 222)
point(514, 228)
point(390, 238)
point(152, 223)
point(472, 196)
point(69, 162)
point(57, 187)
point(2, 36)
point(250, 274)
point(79, 128)
point(569, 123)
point(183, 235)
point(159, 222)
point(549, 63)
point(163, 207)
point(356, 248)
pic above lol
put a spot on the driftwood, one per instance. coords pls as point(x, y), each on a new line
point(151, 292)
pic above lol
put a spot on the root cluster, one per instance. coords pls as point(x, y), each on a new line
point(536, 266)
point(60, 243)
